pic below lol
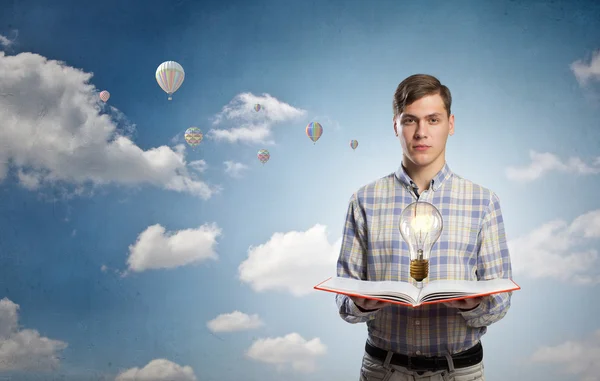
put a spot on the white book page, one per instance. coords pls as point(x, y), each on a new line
point(370, 288)
point(466, 287)
point(394, 298)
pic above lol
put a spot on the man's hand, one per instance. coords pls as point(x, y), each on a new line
point(465, 304)
point(368, 304)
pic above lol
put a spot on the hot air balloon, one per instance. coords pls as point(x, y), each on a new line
point(314, 130)
point(263, 156)
point(257, 107)
point(353, 144)
point(193, 136)
point(169, 76)
point(104, 95)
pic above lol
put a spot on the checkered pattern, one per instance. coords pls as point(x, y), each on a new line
point(472, 246)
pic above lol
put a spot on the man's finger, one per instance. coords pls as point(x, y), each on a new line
point(368, 304)
point(375, 303)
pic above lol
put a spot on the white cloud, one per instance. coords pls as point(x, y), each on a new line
point(542, 163)
point(235, 321)
point(155, 248)
point(244, 124)
point(178, 138)
point(291, 350)
point(158, 370)
point(24, 349)
point(558, 250)
point(574, 357)
point(294, 262)
point(234, 169)
point(199, 166)
point(5, 42)
point(55, 131)
point(586, 72)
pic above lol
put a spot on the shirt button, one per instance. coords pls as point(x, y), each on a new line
point(418, 353)
point(417, 322)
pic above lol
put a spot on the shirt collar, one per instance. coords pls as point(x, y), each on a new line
point(444, 174)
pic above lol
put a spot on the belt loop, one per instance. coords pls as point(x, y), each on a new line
point(450, 362)
point(388, 359)
point(447, 375)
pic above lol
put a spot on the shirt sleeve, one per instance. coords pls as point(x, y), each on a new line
point(352, 262)
point(493, 262)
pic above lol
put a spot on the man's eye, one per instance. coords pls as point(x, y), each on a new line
point(434, 120)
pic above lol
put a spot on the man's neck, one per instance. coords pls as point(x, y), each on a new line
point(422, 176)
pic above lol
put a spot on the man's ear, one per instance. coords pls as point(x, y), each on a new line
point(451, 125)
point(395, 127)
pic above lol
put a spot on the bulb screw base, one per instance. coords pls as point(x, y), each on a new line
point(419, 269)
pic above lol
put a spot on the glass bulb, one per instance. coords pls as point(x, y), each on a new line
point(420, 225)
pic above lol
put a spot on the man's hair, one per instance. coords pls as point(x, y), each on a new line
point(416, 87)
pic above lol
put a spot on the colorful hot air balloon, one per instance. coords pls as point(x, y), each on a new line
point(263, 156)
point(314, 130)
point(104, 95)
point(193, 136)
point(169, 76)
point(353, 144)
point(257, 107)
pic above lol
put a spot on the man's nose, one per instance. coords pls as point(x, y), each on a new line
point(421, 130)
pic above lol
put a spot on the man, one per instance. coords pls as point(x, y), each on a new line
point(439, 341)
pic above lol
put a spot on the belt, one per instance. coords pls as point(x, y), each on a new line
point(470, 357)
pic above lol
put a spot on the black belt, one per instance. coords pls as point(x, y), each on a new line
point(470, 357)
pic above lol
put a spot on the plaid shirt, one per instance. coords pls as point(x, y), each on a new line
point(472, 246)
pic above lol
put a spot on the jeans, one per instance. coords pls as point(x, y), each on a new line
point(376, 370)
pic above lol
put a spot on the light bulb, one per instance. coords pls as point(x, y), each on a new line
point(420, 225)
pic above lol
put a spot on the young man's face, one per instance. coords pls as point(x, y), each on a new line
point(423, 129)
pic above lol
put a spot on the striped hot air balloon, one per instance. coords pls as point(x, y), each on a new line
point(353, 144)
point(170, 76)
point(193, 136)
point(263, 156)
point(257, 107)
point(314, 130)
point(104, 96)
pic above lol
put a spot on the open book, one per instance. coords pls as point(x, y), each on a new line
point(436, 291)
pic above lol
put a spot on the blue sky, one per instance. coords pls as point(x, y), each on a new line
point(123, 251)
